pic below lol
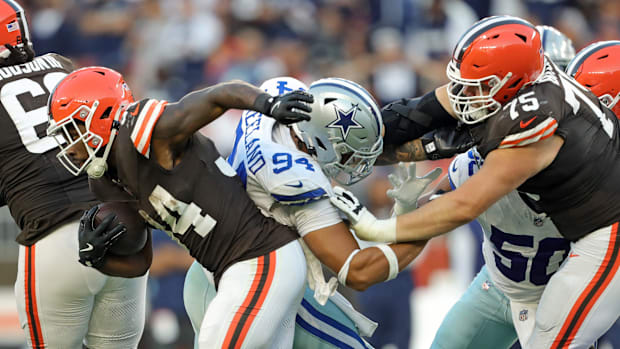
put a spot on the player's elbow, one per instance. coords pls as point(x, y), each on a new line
point(358, 277)
point(358, 282)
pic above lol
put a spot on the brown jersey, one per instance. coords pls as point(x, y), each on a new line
point(201, 202)
point(40, 193)
point(579, 190)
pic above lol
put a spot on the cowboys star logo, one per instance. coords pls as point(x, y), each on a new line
point(345, 120)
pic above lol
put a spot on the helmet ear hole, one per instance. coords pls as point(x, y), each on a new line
point(106, 113)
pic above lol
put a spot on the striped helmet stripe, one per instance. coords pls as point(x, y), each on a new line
point(584, 54)
point(480, 27)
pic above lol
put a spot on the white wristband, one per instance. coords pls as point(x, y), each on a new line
point(370, 228)
point(344, 270)
point(392, 260)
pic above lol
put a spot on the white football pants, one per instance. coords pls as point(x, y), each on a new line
point(62, 303)
point(582, 299)
point(256, 302)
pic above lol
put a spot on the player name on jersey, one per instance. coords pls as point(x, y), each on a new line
point(38, 64)
point(256, 161)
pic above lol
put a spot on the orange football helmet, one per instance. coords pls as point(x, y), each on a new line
point(14, 33)
point(597, 67)
point(96, 97)
point(492, 61)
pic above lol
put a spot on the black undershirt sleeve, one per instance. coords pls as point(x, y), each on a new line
point(410, 118)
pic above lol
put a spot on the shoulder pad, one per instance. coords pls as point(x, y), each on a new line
point(140, 118)
point(529, 117)
point(64, 61)
point(463, 167)
point(291, 176)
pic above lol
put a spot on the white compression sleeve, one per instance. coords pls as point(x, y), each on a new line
point(344, 270)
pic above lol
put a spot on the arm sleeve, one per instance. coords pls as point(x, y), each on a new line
point(409, 119)
point(314, 216)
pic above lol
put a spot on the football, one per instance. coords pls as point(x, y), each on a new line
point(135, 238)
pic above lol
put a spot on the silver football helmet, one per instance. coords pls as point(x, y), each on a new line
point(557, 46)
point(345, 134)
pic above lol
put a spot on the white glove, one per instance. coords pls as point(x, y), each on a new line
point(366, 226)
point(407, 188)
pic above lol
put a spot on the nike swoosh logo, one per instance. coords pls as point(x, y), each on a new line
point(527, 123)
point(275, 106)
point(573, 255)
point(454, 166)
point(88, 247)
point(299, 185)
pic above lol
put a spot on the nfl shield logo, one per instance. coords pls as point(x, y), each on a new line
point(523, 315)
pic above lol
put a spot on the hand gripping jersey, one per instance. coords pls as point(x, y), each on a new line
point(579, 190)
point(522, 248)
point(279, 177)
point(40, 193)
point(200, 202)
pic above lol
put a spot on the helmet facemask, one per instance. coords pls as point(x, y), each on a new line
point(473, 99)
point(352, 165)
point(64, 131)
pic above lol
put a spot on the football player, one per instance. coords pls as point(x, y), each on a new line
point(78, 305)
point(500, 304)
point(539, 131)
point(287, 172)
point(557, 46)
point(597, 67)
point(150, 152)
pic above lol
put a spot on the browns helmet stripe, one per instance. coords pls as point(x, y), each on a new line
point(480, 27)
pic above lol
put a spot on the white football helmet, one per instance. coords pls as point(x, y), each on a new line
point(345, 134)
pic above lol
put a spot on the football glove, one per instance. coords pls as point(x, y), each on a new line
point(407, 187)
point(18, 55)
point(95, 242)
point(446, 142)
point(364, 223)
point(288, 108)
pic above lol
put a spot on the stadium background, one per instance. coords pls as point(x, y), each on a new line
point(395, 48)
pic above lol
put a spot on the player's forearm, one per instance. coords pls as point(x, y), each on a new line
point(408, 152)
point(206, 105)
point(129, 266)
point(439, 216)
point(370, 266)
point(195, 110)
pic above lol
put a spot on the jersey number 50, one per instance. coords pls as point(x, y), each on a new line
point(518, 263)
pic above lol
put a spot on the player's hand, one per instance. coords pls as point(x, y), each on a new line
point(364, 223)
point(95, 242)
point(446, 142)
point(18, 56)
point(290, 108)
point(407, 188)
point(349, 204)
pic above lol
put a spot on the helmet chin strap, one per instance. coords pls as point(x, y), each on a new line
point(99, 165)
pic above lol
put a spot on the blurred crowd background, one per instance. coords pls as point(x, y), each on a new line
point(394, 48)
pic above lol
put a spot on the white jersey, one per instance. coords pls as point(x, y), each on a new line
point(522, 247)
point(284, 182)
